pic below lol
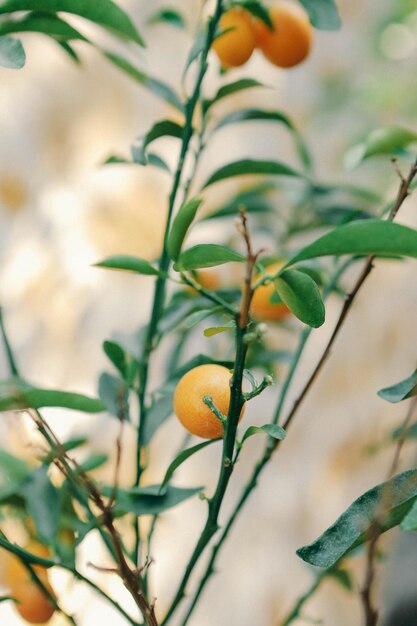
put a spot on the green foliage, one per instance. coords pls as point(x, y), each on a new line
point(151, 500)
point(48, 24)
point(388, 502)
point(323, 14)
point(165, 128)
point(168, 16)
point(16, 394)
point(362, 238)
point(129, 264)
point(231, 88)
point(113, 394)
point(251, 166)
point(390, 140)
point(183, 456)
point(43, 503)
point(302, 296)
point(180, 226)
point(257, 9)
point(12, 53)
point(206, 255)
point(400, 391)
point(105, 13)
point(272, 430)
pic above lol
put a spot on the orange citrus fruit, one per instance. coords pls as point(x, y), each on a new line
point(31, 602)
point(207, 278)
point(289, 43)
point(204, 380)
point(235, 46)
point(262, 308)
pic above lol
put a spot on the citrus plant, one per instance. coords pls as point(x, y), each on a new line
point(285, 283)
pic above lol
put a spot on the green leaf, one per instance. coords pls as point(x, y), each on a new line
point(343, 577)
point(43, 503)
point(260, 115)
point(272, 430)
point(69, 50)
point(253, 200)
point(12, 472)
point(6, 598)
point(352, 528)
point(388, 140)
point(159, 88)
point(165, 128)
point(180, 226)
point(50, 25)
point(400, 391)
point(206, 255)
point(113, 393)
point(364, 237)
point(183, 456)
point(167, 16)
point(95, 460)
point(198, 316)
point(405, 433)
point(159, 411)
point(323, 14)
point(216, 330)
point(302, 296)
point(128, 264)
point(410, 520)
point(122, 361)
point(258, 10)
point(12, 53)
point(150, 500)
point(16, 394)
point(105, 13)
point(251, 166)
point(231, 88)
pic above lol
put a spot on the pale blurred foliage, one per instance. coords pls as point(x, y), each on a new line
point(60, 212)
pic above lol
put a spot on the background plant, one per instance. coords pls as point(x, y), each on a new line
point(187, 314)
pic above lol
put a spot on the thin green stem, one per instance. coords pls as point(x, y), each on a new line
point(164, 263)
point(9, 353)
point(295, 613)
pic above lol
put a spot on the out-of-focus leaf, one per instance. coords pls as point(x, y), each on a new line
point(323, 14)
point(12, 53)
point(215, 330)
point(164, 128)
point(150, 500)
point(400, 391)
point(251, 166)
point(94, 461)
point(167, 16)
point(45, 23)
point(129, 264)
point(397, 496)
point(160, 410)
point(105, 13)
point(16, 394)
point(206, 255)
point(158, 87)
point(43, 503)
point(227, 90)
point(114, 395)
point(388, 140)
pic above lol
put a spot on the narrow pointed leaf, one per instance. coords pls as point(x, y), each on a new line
point(272, 430)
point(400, 391)
point(105, 13)
point(43, 503)
point(50, 25)
point(183, 456)
point(216, 330)
point(206, 255)
point(151, 500)
point(352, 528)
point(251, 166)
point(165, 128)
point(129, 264)
point(158, 87)
point(227, 90)
point(16, 394)
point(382, 141)
point(167, 16)
point(362, 238)
point(180, 226)
point(12, 53)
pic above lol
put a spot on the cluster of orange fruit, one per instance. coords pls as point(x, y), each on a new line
point(286, 45)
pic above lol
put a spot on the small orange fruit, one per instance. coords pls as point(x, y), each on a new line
point(289, 43)
point(31, 602)
point(204, 380)
point(262, 308)
point(207, 278)
point(235, 46)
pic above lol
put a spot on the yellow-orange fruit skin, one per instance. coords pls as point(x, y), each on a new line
point(31, 603)
point(196, 417)
point(208, 279)
point(290, 42)
point(262, 309)
point(235, 46)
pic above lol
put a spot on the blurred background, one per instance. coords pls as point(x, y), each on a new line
point(61, 211)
